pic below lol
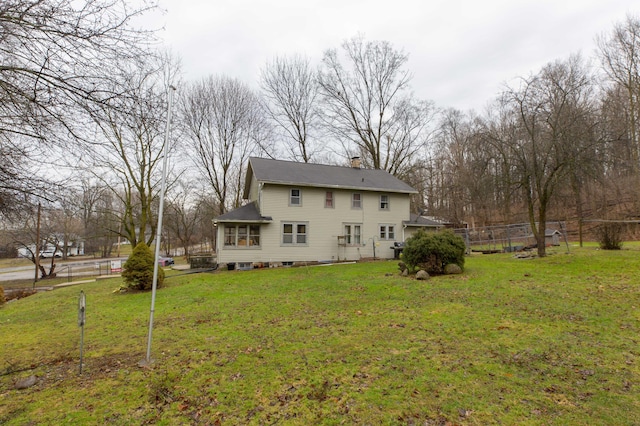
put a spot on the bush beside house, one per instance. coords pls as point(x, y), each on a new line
point(432, 252)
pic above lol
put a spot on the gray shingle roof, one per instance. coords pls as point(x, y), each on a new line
point(421, 221)
point(248, 213)
point(320, 175)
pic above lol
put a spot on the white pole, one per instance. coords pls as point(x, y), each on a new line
point(154, 287)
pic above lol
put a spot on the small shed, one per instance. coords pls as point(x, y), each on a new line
point(552, 237)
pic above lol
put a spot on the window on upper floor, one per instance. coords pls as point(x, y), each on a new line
point(295, 197)
point(356, 200)
point(387, 232)
point(384, 202)
point(294, 233)
point(328, 200)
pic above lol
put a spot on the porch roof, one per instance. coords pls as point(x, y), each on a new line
point(248, 213)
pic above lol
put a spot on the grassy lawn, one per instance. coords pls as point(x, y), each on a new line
point(18, 261)
point(511, 341)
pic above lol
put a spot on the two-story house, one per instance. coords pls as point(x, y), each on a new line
point(301, 212)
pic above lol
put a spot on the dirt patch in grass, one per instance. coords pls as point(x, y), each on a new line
point(66, 369)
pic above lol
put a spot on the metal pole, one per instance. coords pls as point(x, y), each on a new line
point(82, 312)
point(159, 226)
point(373, 239)
point(81, 346)
point(36, 255)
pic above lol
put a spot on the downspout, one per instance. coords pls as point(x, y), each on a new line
point(215, 243)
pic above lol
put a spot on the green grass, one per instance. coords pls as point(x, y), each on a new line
point(18, 261)
point(511, 341)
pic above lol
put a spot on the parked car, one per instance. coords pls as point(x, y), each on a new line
point(165, 261)
point(50, 253)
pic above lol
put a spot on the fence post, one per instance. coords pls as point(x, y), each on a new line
point(468, 240)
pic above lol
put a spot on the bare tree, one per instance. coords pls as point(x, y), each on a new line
point(620, 56)
point(66, 219)
point(36, 234)
point(291, 91)
point(127, 153)
point(368, 105)
point(224, 125)
point(16, 187)
point(55, 55)
point(184, 214)
point(208, 209)
point(499, 133)
point(550, 107)
point(100, 217)
point(466, 164)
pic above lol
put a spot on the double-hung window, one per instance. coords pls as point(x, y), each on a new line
point(387, 232)
point(353, 234)
point(295, 197)
point(356, 200)
point(230, 239)
point(295, 233)
point(254, 235)
point(328, 200)
point(384, 202)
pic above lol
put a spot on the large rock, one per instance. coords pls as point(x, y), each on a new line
point(26, 382)
point(452, 268)
point(405, 273)
point(422, 275)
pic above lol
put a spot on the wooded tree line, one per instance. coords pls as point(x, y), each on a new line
point(83, 109)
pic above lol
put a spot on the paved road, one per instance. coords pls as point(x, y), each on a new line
point(63, 268)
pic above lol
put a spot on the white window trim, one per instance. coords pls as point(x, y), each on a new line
point(235, 245)
point(349, 238)
point(386, 231)
point(294, 234)
point(333, 200)
point(299, 197)
point(388, 202)
point(353, 200)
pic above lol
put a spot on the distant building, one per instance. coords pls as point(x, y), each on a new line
point(49, 250)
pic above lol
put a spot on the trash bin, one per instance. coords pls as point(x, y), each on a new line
point(231, 266)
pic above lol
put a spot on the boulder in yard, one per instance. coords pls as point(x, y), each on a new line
point(452, 268)
point(422, 275)
point(26, 382)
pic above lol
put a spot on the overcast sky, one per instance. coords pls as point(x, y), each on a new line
point(460, 52)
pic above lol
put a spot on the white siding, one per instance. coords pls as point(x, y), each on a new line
point(324, 225)
point(253, 191)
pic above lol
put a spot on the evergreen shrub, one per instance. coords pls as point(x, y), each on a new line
point(432, 251)
point(138, 269)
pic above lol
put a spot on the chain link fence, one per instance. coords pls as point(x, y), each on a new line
point(510, 238)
